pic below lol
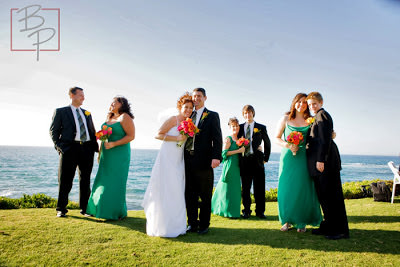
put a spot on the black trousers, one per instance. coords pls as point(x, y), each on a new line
point(330, 195)
point(80, 156)
point(253, 173)
point(199, 184)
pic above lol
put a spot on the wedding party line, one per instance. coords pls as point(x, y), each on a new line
point(179, 198)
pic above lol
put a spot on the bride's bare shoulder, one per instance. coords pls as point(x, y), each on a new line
point(169, 123)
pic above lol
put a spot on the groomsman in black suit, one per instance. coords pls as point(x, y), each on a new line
point(201, 157)
point(252, 169)
point(324, 165)
point(73, 135)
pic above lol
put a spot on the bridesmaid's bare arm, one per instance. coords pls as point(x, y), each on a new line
point(280, 128)
point(129, 128)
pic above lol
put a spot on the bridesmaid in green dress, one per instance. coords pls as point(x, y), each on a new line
point(297, 199)
point(108, 197)
point(227, 195)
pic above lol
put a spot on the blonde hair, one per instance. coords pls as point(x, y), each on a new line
point(315, 95)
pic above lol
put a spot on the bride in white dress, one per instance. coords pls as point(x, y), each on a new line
point(164, 200)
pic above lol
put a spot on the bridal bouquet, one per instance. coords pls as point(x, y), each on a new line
point(295, 138)
point(103, 136)
point(242, 142)
point(188, 128)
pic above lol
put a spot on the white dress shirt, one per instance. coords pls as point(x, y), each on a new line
point(78, 130)
point(198, 115)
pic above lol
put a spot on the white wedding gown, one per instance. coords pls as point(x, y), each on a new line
point(164, 200)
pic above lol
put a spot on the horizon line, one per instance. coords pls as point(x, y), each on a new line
point(44, 146)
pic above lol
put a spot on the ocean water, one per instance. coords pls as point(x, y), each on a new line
point(29, 170)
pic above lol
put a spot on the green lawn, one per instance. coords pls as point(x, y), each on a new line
point(36, 237)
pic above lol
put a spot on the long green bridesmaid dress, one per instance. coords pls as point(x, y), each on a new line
point(297, 199)
point(108, 197)
point(227, 195)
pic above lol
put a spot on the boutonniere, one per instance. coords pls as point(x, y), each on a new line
point(310, 120)
point(205, 114)
point(256, 130)
point(87, 113)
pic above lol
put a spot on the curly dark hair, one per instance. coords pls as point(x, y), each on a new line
point(292, 112)
point(125, 107)
point(233, 120)
point(186, 98)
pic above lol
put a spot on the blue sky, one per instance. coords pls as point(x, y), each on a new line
point(242, 52)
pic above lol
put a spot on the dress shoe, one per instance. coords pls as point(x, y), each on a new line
point(61, 214)
point(85, 214)
point(336, 237)
point(245, 215)
point(261, 216)
point(191, 229)
point(317, 232)
point(203, 231)
point(286, 227)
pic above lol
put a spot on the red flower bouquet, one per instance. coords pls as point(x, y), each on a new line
point(295, 138)
point(103, 136)
point(242, 142)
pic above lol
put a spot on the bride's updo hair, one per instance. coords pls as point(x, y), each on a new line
point(233, 120)
point(186, 98)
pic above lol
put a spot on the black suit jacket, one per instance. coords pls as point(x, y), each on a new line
point(63, 129)
point(208, 142)
point(258, 135)
point(320, 146)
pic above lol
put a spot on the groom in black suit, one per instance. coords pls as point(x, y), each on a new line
point(324, 166)
point(201, 157)
point(73, 135)
point(252, 164)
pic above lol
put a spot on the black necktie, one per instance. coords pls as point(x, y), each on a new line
point(194, 117)
point(81, 126)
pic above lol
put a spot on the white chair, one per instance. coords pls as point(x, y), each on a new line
point(396, 178)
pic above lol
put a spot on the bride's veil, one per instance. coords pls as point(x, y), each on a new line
point(166, 113)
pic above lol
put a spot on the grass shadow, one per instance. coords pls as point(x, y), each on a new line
point(373, 219)
point(378, 241)
point(4, 233)
point(361, 240)
point(133, 223)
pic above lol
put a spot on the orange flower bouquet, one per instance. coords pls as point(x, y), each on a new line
point(188, 128)
point(242, 142)
point(103, 136)
point(295, 138)
point(104, 133)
